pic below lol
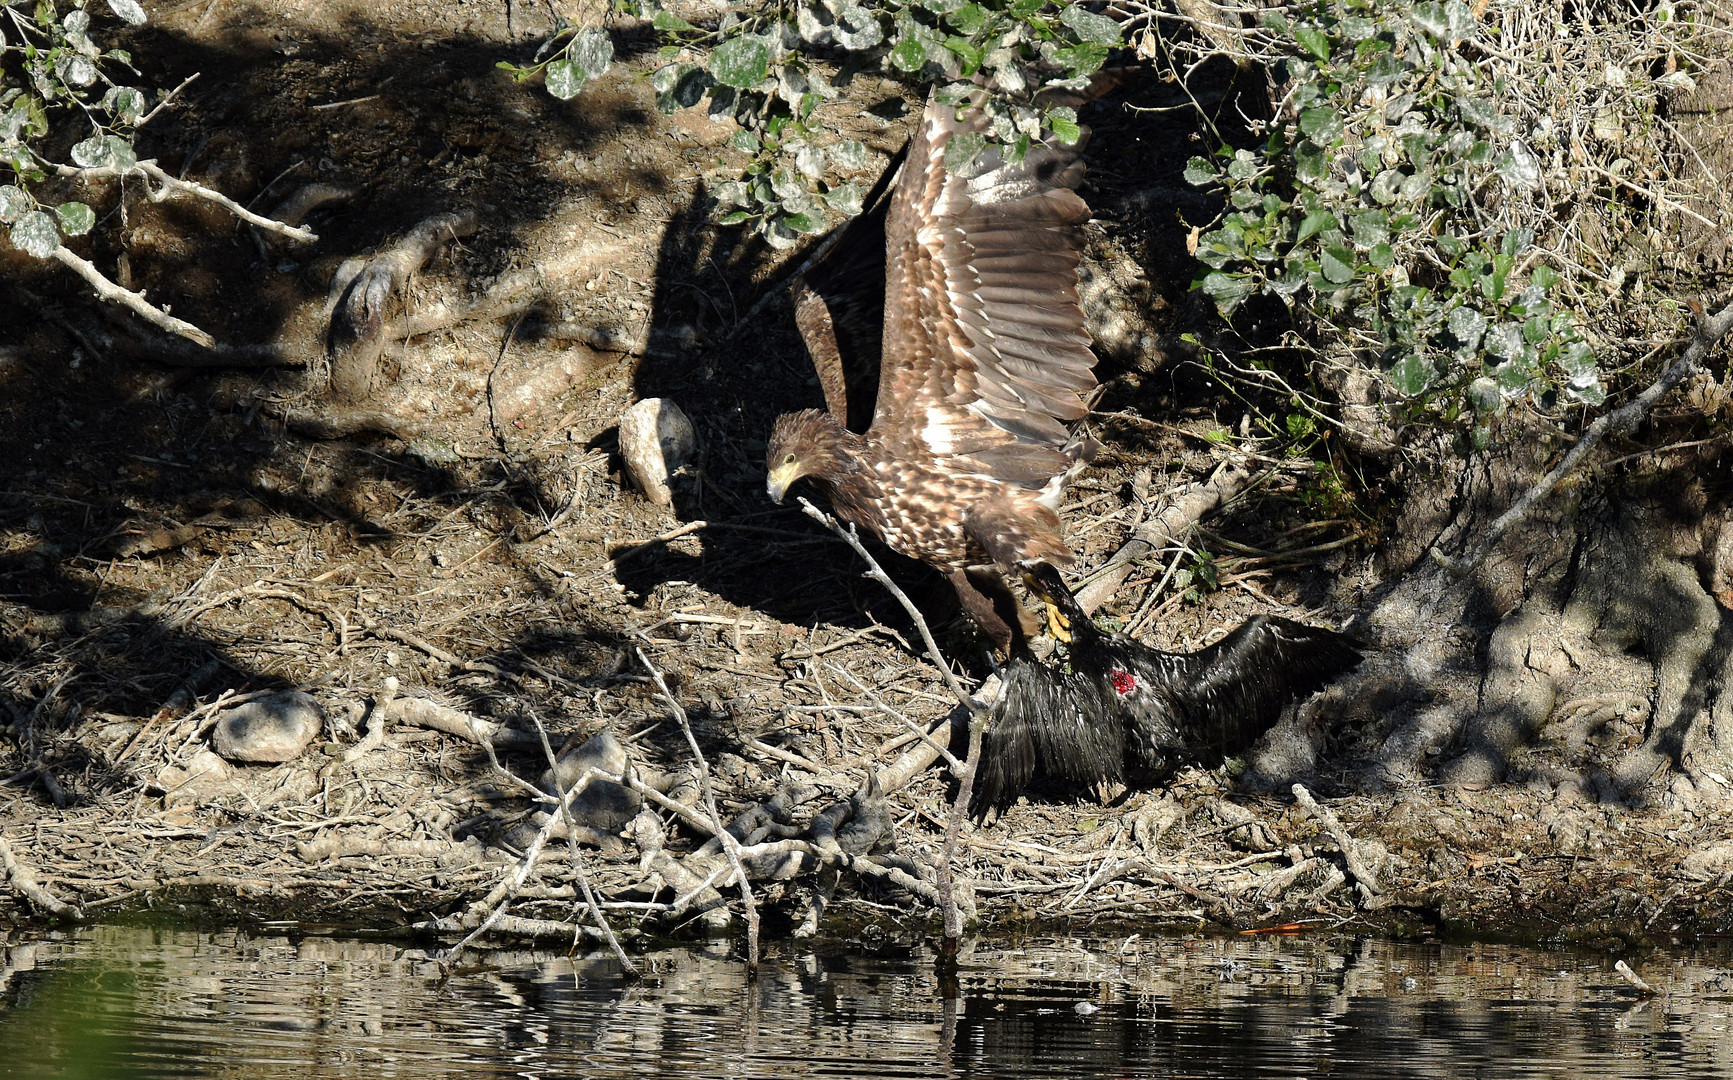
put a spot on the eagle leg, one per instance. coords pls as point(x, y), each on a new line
point(989, 601)
point(1057, 623)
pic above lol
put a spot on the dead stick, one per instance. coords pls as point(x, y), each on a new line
point(877, 573)
point(25, 882)
point(953, 835)
point(1333, 826)
point(1710, 330)
point(729, 843)
point(577, 856)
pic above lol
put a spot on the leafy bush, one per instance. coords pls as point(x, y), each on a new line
point(1417, 196)
point(51, 70)
point(771, 68)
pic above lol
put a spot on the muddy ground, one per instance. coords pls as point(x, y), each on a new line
point(175, 537)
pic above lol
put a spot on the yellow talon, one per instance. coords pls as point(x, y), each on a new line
point(1057, 624)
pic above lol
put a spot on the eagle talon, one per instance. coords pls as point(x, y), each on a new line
point(1057, 624)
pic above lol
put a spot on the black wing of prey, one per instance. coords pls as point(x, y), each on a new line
point(1120, 710)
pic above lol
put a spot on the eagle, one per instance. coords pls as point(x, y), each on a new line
point(954, 361)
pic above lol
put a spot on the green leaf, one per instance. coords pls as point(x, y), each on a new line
point(1466, 325)
point(1089, 26)
point(969, 53)
point(1199, 172)
point(1411, 376)
point(592, 50)
point(1314, 41)
point(1337, 264)
point(1544, 276)
point(1484, 115)
point(129, 10)
point(1322, 124)
point(968, 18)
point(909, 54)
point(14, 203)
point(734, 217)
point(745, 141)
point(806, 224)
point(564, 78)
point(1504, 341)
point(1370, 227)
point(1381, 256)
point(670, 23)
point(92, 153)
point(76, 218)
point(1314, 223)
point(1227, 290)
point(121, 152)
point(1063, 120)
point(849, 155)
point(741, 62)
point(36, 234)
point(963, 149)
point(844, 199)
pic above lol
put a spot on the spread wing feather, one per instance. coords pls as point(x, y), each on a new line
point(839, 306)
point(985, 356)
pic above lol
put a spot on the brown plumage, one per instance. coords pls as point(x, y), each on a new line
point(980, 366)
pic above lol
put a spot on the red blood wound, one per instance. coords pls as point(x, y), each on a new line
point(1124, 682)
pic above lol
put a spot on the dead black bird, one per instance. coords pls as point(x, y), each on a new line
point(1121, 708)
point(1048, 723)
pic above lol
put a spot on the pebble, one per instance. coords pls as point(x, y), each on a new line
point(269, 730)
point(604, 805)
point(656, 440)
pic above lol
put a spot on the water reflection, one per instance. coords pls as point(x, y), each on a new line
point(137, 1002)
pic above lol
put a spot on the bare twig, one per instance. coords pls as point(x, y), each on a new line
point(132, 301)
point(24, 882)
point(877, 573)
point(1710, 330)
point(565, 811)
point(729, 843)
point(376, 720)
point(174, 186)
point(953, 834)
point(1333, 826)
point(1633, 978)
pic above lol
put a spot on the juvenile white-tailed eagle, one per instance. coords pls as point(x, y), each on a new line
point(959, 457)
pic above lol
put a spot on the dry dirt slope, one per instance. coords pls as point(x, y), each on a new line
point(174, 531)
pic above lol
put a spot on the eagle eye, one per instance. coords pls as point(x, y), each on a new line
point(789, 460)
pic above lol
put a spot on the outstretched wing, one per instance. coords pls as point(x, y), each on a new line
point(985, 355)
point(839, 308)
point(1230, 693)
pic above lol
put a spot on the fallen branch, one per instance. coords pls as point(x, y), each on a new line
point(134, 302)
point(729, 843)
point(565, 812)
point(22, 880)
point(1334, 829)
point(876, 572)
point(1710, 329)
point(1633, 978)
point(173, 186)
point(1178, 512)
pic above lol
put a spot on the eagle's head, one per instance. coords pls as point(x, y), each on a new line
point(806, 443)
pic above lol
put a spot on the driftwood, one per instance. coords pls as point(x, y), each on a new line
point(358, 326)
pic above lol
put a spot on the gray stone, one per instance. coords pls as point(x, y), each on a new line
point(269, 730)
point(604, 805)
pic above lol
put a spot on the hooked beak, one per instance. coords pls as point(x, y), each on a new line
point(777, 483)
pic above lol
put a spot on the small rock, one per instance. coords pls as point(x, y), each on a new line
point(656, 440)
point(604, 805)
point(1085, 1008)
point(269, 730)
point(205, 777)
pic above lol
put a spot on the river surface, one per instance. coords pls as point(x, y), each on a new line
point(141, 1002)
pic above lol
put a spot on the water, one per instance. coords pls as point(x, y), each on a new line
point(141, 1002)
